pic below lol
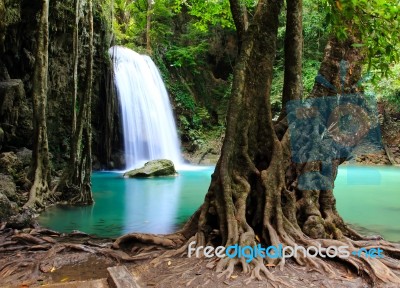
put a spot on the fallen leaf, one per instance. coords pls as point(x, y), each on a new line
point(53, 269)
point(270, 265)
point(64, 279)
point(234, 276)
point(169, 263)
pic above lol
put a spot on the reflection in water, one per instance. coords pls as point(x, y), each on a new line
point(151, 206)
point(369, 199)
point(155, 205)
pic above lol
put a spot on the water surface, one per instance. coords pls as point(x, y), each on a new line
point(367, 197)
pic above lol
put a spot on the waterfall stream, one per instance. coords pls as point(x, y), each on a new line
point(147, 119)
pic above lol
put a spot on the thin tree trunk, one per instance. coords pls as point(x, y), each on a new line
point(2, 25)
point(40, 170)
point(292, 87)
point(75, 73)
point(148, 25)
point(240, 18)
point(86, 193)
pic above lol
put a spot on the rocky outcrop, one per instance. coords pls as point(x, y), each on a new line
point(7, 187)
point(9, 163)
point(153, 168)
point(8, 194)
point(18, 25)
point(24, 155)
point(22, 220)
point(6, 208)
point(15, 114)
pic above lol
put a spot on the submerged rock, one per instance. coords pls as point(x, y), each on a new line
point(153, 168)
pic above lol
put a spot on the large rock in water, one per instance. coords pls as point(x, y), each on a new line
point(153, 168)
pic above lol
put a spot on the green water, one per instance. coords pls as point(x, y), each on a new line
point(367, 197)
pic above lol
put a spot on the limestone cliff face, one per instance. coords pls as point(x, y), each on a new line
point(18, 23)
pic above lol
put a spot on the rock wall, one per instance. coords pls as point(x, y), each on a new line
point(18, 25)
point(17, 50)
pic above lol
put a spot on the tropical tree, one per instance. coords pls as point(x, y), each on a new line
point(40, 166)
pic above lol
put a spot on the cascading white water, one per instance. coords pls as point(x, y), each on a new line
point(147, 118)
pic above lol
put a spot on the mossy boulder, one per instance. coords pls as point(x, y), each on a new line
point(9, 163)
point(7, 187)
point(23, 219)
point(154, 168)
point(7, 208)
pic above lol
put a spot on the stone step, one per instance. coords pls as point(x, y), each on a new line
point(120, 277)
point(99, 283)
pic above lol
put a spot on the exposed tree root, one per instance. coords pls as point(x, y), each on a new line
point(37, 250)
point(167, 241)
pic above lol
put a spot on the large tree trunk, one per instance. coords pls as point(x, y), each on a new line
point(40, 170)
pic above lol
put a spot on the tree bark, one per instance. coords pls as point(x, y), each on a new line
point(250, 141)
point(148, 26)
point(75, 73)
point(240, 18)
point(86, 192)
point(2, 24)
point(40, 170)
point(292, 83)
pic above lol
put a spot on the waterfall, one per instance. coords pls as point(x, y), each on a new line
point(147, 119)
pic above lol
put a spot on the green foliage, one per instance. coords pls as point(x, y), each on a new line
point(183, 99)
point(310, 69)
point(315, 37)
point(187, 56)
point(314, 29)
point(189, 49)
point(209, 12)
point(129, 21)
point(387, 88)
point(378, 26)
point(192, 119)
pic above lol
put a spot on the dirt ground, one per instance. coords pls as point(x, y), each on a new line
point(68, 258)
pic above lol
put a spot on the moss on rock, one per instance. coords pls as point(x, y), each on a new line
point(153, 168)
